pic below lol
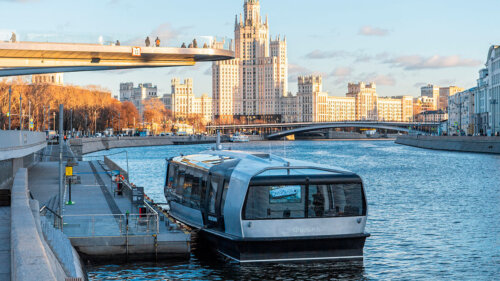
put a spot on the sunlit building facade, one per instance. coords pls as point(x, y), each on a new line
point(51, 78)
point(365, 95)
point(445, 93)
point(137, 95)
point(312, 104)
point(255, 81)
point(431, 91)
point(184, 104)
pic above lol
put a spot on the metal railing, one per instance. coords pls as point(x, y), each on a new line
point(155, 213)
point(112, 39)
point(57, 219)
point(110, 225)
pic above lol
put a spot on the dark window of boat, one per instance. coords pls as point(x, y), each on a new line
point(188, 184)
point(212, 196)
point(224, 194)
point(179, 183)
point(196, 189)
point(171, 178)
point(304, 201)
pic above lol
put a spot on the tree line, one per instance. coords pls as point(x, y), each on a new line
point(91, 108)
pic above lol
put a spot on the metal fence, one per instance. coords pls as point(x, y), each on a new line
point(110, 225)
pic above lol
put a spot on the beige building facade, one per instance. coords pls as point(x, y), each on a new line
point(312, 104)
point(137, 95)
point(184, 104)
point(431, 91)
point(51, 78)
point(439, 95)
point(255, 81)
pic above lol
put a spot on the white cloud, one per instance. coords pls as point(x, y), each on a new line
point(319, 54)
point(342, 71)
point(419, 62)
point(297, 69)
point(341, 75)
point(372, 31)
point(379, 79)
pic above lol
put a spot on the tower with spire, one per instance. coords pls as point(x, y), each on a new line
point(256, 79)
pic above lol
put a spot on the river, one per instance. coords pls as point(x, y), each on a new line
point(432, 215)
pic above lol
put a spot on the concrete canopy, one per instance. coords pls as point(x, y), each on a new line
point(25, 58)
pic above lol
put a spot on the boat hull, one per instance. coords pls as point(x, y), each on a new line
point(338, 247)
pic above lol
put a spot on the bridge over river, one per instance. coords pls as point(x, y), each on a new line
point(280, 130)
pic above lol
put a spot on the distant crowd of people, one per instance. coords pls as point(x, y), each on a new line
point(157, 42)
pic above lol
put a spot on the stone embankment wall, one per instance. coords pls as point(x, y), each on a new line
point(113, 166)
point(83, 146)
point(464, 144)
point(88, 145)
point(31, 256)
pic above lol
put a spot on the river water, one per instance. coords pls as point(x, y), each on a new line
point(432, 215)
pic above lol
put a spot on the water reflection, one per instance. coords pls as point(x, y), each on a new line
point(213, 268)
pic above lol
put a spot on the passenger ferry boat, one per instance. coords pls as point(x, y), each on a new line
point(239, 138)
point(257, 207)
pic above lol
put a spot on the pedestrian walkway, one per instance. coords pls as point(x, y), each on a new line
point(5, 243)
point(102, 223)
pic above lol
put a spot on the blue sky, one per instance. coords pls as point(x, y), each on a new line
point(401, 45)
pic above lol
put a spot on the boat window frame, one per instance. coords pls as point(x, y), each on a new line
point(307, 181)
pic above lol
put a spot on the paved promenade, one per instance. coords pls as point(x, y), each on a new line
point(97, 223)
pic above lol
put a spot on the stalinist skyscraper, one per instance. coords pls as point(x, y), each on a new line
point(253, 83)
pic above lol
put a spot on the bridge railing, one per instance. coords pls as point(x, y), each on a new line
point(125, 39)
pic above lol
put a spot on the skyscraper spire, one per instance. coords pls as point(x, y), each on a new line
point(252, 11)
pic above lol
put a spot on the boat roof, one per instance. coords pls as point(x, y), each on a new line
point(257, 163)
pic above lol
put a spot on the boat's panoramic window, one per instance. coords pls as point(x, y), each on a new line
point(172, 171)
point(224, 194)
point(275, 202)
point(289, 201)
point(196, 189)
point(188, 183)
point(335, 200)
point(204, 185)
point(179, 184)
point(212, 195)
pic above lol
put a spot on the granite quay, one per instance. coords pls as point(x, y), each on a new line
point(453, 143)
point(88, 145)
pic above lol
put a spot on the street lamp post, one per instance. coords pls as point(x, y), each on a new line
point(71, 123)
point(43, 118)
point(10, 95)
point(126, 152)
point(48, 118)
point(61, 147)
point(21, 111)
point(29, 115)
